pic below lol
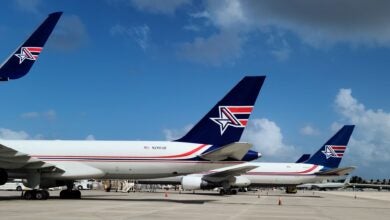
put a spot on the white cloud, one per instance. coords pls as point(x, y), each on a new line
point(279, 47)
point(90, 137)
point(173, 134)
point(158, 6)
point(202, 14)
point(28, 5)
point(267, 138)
point(214, 50)
point(191, 27)
point(69, 34)
point(140, 34)
point(227, 14)
point(48, 115)
point(29, 115)
point(370, 142)
point(309, 131)
point(281, 54)
point(9, 134)
point(317, 23)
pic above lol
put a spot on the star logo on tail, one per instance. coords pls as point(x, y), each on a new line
point(334, 151)
point(234, 116)
point(28, 53)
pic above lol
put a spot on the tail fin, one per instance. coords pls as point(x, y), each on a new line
point(331, 153)
point(303, 158)
point(21, 61)
point(226, 121)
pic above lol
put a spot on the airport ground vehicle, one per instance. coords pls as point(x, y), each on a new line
point(83, 184)
point(16, 184)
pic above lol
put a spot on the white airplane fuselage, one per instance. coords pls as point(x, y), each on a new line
point(268, 174)
point(284, 174)
point(116, 159)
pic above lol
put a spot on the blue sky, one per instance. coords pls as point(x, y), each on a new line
point(148, 70)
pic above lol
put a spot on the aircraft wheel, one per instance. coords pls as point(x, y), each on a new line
point(67, 194)
point(291, 189)
point(46, 194)
point(28, 195)
point(222, 192)
point(76, 194)
point(39, 195)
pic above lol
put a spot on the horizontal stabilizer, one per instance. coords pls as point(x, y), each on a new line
point(336, 171)
point(234, 151)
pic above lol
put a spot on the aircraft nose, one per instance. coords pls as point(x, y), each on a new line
point(259, 155)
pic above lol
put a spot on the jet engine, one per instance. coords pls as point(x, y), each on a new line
point(240, 181)
point(3, 176)
point(195, 182)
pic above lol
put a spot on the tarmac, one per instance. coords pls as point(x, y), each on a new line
point(201, 205)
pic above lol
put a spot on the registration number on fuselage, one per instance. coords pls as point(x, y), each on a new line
point(155, 147)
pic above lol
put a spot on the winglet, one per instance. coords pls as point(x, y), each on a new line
point(21, 61)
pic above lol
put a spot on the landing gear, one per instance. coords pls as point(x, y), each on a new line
point(36, 195)
point(69, 193)
point(227, 192)
point(291, 189)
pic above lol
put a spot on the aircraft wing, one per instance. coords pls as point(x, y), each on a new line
point(12, 159)
point(235, 150)
point(337, 171)
point(231, 172)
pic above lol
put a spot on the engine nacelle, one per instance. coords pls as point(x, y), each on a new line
point(240, 181)
point(193, 183)
point(196, 182)
point(3, 177)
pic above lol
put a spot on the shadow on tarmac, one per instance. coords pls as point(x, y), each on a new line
point(101, 198)
point(294, 196)
point(150, 200)
point(4, 198)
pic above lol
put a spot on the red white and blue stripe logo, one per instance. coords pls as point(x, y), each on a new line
point(28, 53)
point(334, 151)
point(234, 116)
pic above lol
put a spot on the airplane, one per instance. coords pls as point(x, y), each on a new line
point(19, 63)
point(362, 186)
point(212, 143)
point(326, 185)
point(322, 165)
